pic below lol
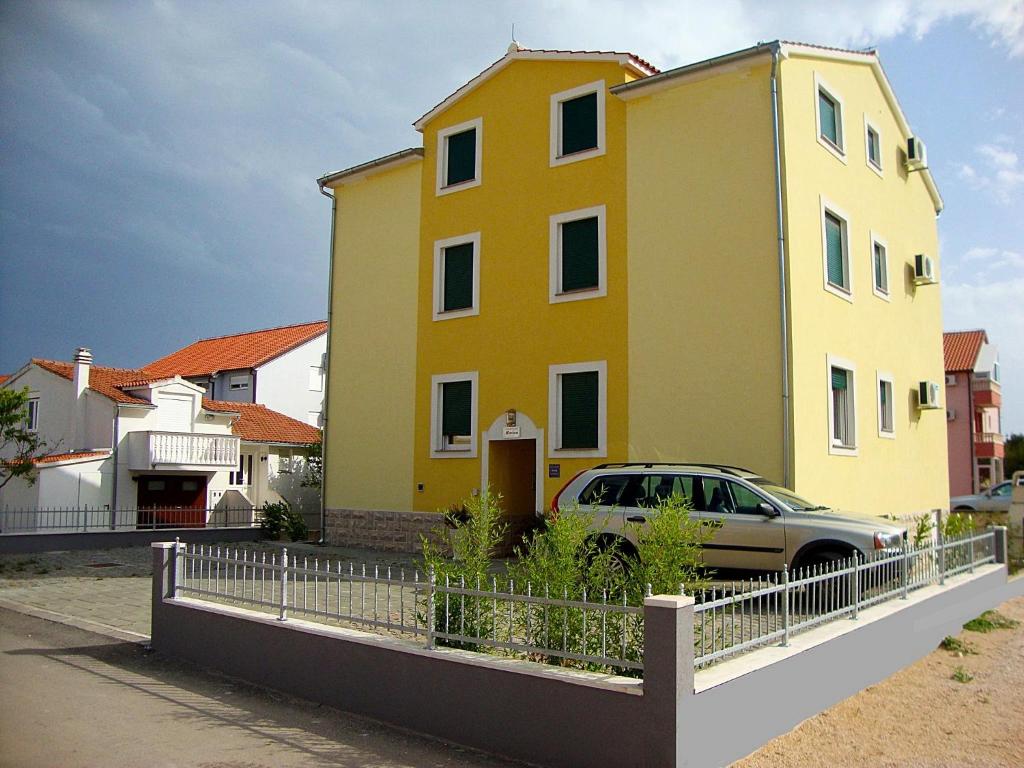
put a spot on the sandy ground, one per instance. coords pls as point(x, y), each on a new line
point(920, 717)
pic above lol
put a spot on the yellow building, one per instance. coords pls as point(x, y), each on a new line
point(592, 261)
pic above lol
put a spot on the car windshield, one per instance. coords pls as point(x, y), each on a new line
point(788, 497)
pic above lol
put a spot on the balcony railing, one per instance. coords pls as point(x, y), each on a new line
point(988, 445)
point(989, 437)
point(169, 450)
point(987, 391)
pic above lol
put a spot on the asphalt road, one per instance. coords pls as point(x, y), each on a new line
point(72, 698)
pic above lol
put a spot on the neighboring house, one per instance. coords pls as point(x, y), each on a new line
point(282, 368)
point(973, 399)
point(590, 261)
point(121, 439)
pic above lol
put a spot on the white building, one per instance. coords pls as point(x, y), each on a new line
point(124, 439)
point(282, 368)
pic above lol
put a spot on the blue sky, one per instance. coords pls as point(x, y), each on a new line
point(157, 159)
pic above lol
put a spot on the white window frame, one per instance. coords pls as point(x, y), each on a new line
point(32, 414)
point(437, 448)
point(888, 378)
point(316, 378)
point(868, 127)
point(834, 448)
point(442, 156)
point(820, 86)
point(555, 409)
point(557, 99)
point(238, 382)
point(881, 293)
point(439, 246)
point(555, 222)
point(847, 293)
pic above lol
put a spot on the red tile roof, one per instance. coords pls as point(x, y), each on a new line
point(102, 379)
point(259, 424)
point(4, 377)
point(53, 458)
point(961, 348)
point(234, 352)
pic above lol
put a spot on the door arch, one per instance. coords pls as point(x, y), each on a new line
point(527, 431)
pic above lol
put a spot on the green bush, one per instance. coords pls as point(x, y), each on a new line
point(278, 518)
point(669, 548)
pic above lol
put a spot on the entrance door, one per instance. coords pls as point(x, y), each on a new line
point(172, 501)
point(512, 472)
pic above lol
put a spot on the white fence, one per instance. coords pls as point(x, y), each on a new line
point(86, 520)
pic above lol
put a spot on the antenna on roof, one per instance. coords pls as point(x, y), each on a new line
point(514, 46)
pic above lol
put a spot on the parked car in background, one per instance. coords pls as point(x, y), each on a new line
point(763, 525)
point(995, 499)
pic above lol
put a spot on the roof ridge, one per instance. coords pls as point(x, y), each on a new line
point(249, 333)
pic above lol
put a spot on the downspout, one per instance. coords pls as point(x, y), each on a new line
point(327, 372)
point(114, 449)
point(787, 474)
point(975, 485)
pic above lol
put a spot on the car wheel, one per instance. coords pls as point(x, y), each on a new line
point(963, 508)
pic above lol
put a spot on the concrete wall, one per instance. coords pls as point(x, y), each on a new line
point(25, 543)
point(558, 717)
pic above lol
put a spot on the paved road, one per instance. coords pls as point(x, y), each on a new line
point(73, 698)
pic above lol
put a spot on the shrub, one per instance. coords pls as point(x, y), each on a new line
point(278, 518)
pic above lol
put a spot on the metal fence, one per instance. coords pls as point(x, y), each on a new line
point(531, 623)
point(482, 616)
point(85, 519)
point(744, 615)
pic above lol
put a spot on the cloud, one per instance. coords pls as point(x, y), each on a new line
point(998, 171)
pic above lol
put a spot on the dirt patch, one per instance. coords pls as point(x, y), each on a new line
point(924, 716)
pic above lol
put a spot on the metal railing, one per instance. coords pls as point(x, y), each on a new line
point(85, 519)
point(749, 614)
point(487, 616)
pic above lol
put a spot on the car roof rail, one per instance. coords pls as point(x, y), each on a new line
point(727, 468)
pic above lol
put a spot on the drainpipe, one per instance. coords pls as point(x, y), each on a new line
point(787, 474)
point(117, 430)
point(327, 371)
point(975, 485)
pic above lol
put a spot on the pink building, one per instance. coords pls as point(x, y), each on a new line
point(972, 412)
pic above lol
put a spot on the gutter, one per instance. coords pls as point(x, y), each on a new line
point(787, 474)
point(394, 159)
point(114, 451)
point(327, 354)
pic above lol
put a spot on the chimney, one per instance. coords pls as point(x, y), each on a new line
point(80, 379)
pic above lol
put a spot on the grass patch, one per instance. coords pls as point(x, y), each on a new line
point(989, 621)
point(961, 675)
point(958, 646)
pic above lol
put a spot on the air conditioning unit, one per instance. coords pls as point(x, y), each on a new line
point(950, 379)
point(927, 395)
point(950, 414)
point(924, 270)
point(917, 155)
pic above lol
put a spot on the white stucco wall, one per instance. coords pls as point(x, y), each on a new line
point(55, 401)
point(283, 383)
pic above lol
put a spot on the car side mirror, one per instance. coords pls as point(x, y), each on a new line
point(767, 509)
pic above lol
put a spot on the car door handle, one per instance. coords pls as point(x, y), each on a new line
point(636, 519)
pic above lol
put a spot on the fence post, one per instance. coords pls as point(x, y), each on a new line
point(284, 585)
point(904, 571)
point(940, 542)
point(179, 567)
point(970, 551)
point(999, 543)
point(668, 679)
point(430, 607)
point(785, 605)
point(856, 585)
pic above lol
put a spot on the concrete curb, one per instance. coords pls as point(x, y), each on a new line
point(73, 621)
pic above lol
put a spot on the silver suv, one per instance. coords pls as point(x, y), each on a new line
point(763, 525)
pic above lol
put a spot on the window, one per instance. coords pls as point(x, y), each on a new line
point(842, 407)
point(314, 418)
point(316, 378)
point(577, 409)
point(577, 123)
point(238, 382)
point(746, 501)
point(829, 112)
point(242, 475)
point(457, 277)
point(879, 268)
point(578, 255)
point(453, 415)
point(458, 156)
point(886, 413)
point(872, 147)
point(835, 247)
point(32, 414)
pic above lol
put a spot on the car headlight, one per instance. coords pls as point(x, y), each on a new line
point(887, 540)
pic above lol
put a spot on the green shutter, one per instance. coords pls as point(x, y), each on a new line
point(827, 115)
point(579, 124)
point(579, 410)
point(458, 277)
point(579, 254)
point(881, 280)
point(456, 408)
point(834, 251)
point(839, 378)
point(461, 157)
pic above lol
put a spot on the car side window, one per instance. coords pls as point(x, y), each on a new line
point(1002, 490)
point(716, 496)
point(746, 500)
point(605, 490)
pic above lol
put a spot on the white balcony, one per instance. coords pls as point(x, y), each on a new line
point(181, 450)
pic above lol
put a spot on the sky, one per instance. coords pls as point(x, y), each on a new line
point(158, 159)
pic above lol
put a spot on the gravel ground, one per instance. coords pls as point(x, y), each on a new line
point(921, 717)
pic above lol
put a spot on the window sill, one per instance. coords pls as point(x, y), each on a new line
point(453, 314)
point(458, 187)
point(578, 295)
point(842, 450)
point(837, 152)
point(883, 295)
point(887, 435)
point(577, 453)
point(842, 293)
point(583, 154)
point(454, 453)
point(876, 168)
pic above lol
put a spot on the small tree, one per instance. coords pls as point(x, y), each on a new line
point(314, 474)
point(1014, 460)
point(19, 446)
